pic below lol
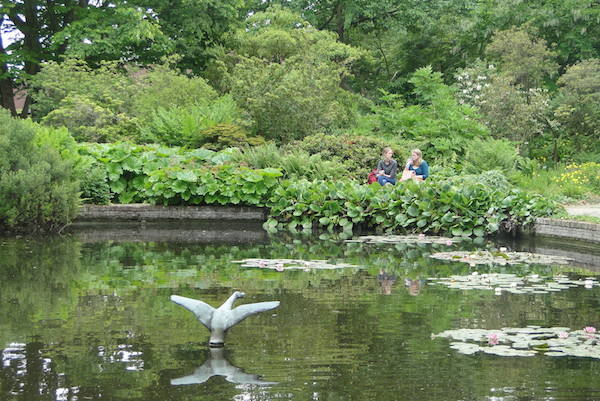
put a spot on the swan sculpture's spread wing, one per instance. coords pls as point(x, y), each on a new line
point(238, 376)
point(232, 374)
point(203, 311)
point(243, 311)
point(202, 374)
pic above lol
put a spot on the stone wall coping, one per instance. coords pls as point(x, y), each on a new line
point(147, 212)
point(569, 223)
point(573, 229)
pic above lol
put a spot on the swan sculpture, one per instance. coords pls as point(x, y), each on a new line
point(219, 320)
point(217, 365)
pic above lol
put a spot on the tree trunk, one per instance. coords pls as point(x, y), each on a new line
point(31, 42)
point(340, 22)
point(7, 95)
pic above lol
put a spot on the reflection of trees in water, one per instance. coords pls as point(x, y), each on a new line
point(34, 371)
point(37, 280)
point(98, 323)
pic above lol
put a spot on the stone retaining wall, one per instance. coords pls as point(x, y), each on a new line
point(141, 212)
point(212, 232)
point(568, 229)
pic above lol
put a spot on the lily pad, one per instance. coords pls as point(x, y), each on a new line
point(526, 341)
point(505, 282)
point(396, 239)
point(484, 257)
point(292, 264)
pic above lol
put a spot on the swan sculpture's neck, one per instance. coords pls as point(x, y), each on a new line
point(229, 303)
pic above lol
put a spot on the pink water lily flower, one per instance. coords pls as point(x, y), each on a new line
point(589, 330)
point(279, 267)
point(449, 242)
point(563, 334)
point(262, 264)
point(493, 339)
point(421, 236)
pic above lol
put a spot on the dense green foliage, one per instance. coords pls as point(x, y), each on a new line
point(175, 176)
point(470, 208)
point(463, 205)
point(438, 122)
point(37, 189)
point(488, 90)
point(294, 162)
point(356, 155)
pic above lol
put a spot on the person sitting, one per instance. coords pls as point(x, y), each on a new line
point(387, 168)
point(416, 168)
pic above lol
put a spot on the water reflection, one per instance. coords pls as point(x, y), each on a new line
point(386, 281)
point(92, 321)
point(414, 286)
point(218, 365)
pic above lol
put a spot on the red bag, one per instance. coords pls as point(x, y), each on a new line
point(372, 177)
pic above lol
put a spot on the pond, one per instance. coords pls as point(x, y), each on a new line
point(87, 316)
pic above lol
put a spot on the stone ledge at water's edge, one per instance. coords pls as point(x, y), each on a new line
point(142, 212)
point(579, 230)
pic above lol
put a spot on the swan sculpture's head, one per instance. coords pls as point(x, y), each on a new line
point(239, 294)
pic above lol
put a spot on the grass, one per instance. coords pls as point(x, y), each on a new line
point(546, 182)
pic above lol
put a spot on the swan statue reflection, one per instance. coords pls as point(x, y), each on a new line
point(217, 365)
point(221, 319)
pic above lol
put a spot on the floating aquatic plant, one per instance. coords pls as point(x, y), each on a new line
point(526, 341)
point(499, 257)
point(291, 264)
point(410, 239)
point(505, 282)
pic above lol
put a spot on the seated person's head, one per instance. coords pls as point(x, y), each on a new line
point(387, 153)
point(416, 157)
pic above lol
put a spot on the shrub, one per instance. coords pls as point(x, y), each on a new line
point(288, 75)
point(94, 185)
point(578, 107)
point(193, 126)
point(112, 102)
point(162, 87)
point(222, 136)
point(90, 120)
point(62, 141)
point(293, 163)
point(442, 125)
point(37, 189)
point(359, 154)
point(492, 179)
point(490, 154)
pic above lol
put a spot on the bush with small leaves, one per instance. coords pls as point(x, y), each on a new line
point(38, 192)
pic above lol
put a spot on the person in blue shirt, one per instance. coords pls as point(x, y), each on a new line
point(416, 168)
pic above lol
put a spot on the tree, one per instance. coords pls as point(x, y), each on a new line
point(522, 58)
point(95, 31)
point(508, 89)
point(287, 75)
point(195, 27)
point(578, 106)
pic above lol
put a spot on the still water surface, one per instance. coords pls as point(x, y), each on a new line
point(84, 317)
